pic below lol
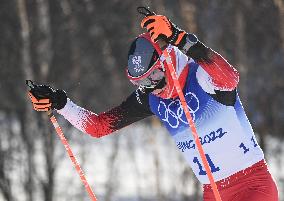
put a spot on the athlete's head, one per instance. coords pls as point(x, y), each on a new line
point(148, 69)
point(145, 69)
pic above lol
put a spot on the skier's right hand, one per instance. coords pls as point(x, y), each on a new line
point(45, 98)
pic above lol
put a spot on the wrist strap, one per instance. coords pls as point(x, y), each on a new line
point(179, 38)
point(175, 35)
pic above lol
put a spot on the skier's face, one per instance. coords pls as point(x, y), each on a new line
point(152, 78)
point(159, 90)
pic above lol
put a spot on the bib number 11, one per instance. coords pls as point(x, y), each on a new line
point(211, 164)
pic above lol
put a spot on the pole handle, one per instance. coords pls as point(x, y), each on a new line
point(145, 11)
point(30, 84)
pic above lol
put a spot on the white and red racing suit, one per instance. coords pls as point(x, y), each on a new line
point(236, 160)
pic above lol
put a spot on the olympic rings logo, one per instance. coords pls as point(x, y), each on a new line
point(173, 113)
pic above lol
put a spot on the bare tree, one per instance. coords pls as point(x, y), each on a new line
point(25, 114)
point(280, 6)
point(111, 181)
point(43, 57)
point(5, 181)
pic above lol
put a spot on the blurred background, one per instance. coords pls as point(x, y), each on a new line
point(81, 46)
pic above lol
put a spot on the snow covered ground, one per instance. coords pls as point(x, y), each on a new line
point(135, 167)
point(137, 163)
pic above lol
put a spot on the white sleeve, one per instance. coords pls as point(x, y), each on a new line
point(205, 81)
point(181, 61)
point(76, 115)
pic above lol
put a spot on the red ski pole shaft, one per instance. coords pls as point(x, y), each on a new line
point(71, 155)
point(192, 125)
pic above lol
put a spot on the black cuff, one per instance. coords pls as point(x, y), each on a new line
point(59, 99)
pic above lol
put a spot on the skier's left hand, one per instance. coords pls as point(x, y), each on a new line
point(160, 27)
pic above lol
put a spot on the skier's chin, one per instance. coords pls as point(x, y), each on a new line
point(161, 87)
point(158, 91)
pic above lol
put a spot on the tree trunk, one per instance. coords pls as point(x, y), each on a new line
point(5, 185)
point(73, 29)
point(48, 143)
point(240, 53)
point(188, 13)
point(280, 5)
point(43, 46)
point(157, 165)
point(44, 56)
point(112, 171)
point(29, 148)
point(25, 115)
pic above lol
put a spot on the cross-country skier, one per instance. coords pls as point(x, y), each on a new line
point(209, 84)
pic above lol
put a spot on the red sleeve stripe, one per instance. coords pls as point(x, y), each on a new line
point(224, 76)
point(99, 125)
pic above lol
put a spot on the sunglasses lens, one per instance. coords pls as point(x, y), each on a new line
point(152, 80)
point(145, 82)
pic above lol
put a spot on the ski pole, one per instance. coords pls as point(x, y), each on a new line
point(145, 11)
point(192, 126)
point(71, 155)
point(64, 141)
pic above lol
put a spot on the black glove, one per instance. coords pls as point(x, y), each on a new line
point(44, 97)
